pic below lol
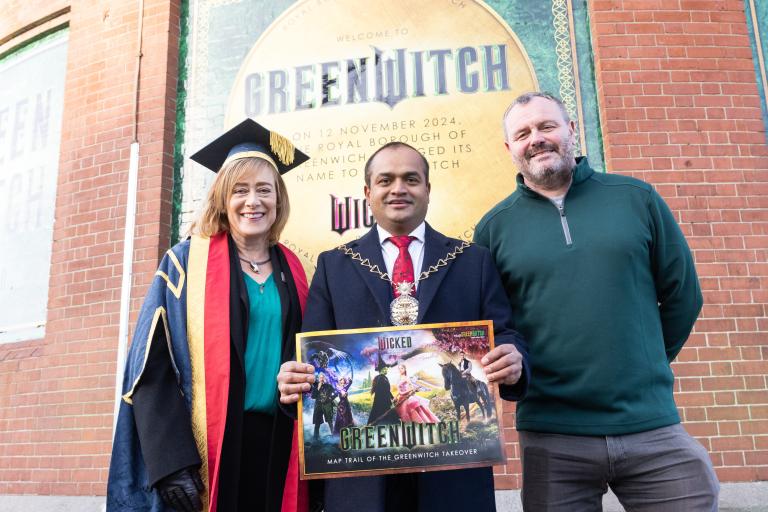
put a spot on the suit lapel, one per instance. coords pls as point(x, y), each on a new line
point(370, 251)
point(436, 246)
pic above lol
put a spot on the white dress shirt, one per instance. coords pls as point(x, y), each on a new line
point(415, 249)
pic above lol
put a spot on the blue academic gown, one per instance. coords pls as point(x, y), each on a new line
point(346, 295)
point(153, 436)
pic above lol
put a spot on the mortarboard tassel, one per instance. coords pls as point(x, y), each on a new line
point(281, 147)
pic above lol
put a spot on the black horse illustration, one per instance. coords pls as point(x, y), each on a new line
point(463, 393)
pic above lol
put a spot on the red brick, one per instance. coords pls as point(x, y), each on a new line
point(725, 398)
point(694, 399)
point(747, 338)
point(736, 474)
point(756, 458)
point(731, 458)
point(732, 443)
point(722, 383)
point(751, 368)
point(727, 413)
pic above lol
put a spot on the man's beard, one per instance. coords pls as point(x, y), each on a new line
point(552, 175)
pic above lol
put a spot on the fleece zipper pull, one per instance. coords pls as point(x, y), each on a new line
point(564, 222)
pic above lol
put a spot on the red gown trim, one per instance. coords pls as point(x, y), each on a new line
point(216, 356)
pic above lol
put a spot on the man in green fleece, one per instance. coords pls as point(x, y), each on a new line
point(603, 286)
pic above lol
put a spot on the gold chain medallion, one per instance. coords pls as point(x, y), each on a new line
point(404, 310)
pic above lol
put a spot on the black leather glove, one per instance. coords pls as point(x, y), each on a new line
point(181, 490)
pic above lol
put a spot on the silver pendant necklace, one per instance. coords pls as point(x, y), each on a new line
point(255, 264)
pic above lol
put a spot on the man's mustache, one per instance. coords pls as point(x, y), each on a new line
point(546, 146)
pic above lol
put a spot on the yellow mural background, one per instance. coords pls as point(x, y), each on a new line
point(459, 133)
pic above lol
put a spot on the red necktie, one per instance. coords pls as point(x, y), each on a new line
point(403, 269)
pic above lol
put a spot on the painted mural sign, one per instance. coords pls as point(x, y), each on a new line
point(341, 78)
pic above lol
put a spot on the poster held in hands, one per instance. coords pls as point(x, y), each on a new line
point(398, 400)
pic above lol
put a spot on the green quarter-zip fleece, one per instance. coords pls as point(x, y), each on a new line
point(605, 291)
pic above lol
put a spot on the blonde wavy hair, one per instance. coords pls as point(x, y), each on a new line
point(213, 217)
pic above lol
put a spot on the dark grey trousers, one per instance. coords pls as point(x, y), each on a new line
point(661, 470)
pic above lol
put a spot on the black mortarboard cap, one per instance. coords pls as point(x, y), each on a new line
point(250, 139)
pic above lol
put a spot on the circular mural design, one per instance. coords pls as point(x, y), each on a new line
point(342, 78)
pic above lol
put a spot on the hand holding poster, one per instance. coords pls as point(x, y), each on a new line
point(398, 399)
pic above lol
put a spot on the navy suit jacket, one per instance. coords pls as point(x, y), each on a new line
point(346, 295)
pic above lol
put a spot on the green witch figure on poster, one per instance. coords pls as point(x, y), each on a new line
point(381, 390)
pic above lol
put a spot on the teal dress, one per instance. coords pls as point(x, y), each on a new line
point(263, 346)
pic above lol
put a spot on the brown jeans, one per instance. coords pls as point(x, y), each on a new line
point(661, 470)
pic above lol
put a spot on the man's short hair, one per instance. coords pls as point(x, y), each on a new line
point(525, 98)
point(395, 144)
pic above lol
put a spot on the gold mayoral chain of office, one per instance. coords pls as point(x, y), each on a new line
point(404, 310)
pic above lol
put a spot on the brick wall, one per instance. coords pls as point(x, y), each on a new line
point(56, 394)
point(680, 109)
point(20, 19)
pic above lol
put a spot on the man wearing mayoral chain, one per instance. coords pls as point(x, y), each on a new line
point(404, 272)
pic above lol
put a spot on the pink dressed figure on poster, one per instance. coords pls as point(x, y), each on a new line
point(410, 406)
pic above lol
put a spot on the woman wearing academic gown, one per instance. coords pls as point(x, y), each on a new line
point(199, 427)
